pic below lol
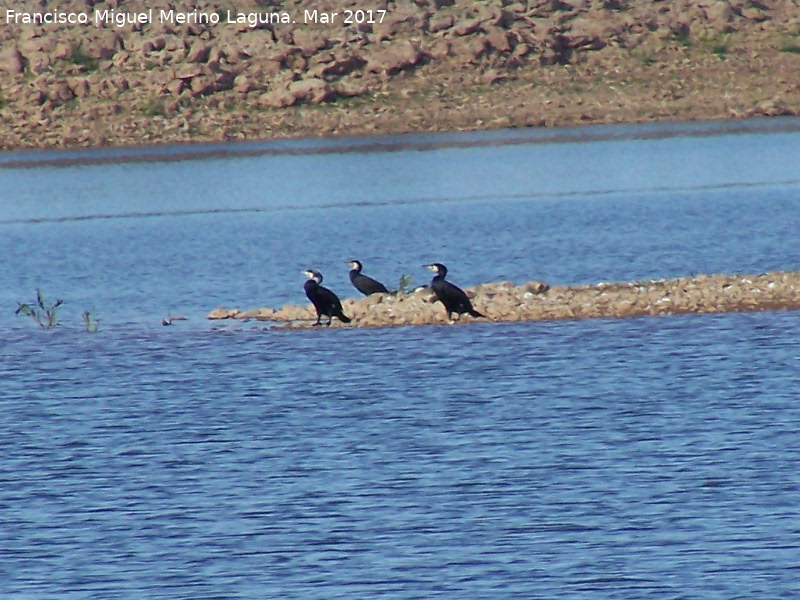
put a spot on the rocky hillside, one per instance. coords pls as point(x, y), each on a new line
point(143, 72)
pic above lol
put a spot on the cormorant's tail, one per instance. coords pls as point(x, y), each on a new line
point(343, 317)
point(475, 313)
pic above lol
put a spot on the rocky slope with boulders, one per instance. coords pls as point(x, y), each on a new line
point(429, 65)
point(537, 301)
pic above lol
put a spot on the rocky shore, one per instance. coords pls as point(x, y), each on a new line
point(266, 70)
point(536, 301)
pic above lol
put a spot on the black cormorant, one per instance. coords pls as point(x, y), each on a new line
point(365, 285)
point(452, 296)
point(325, 301)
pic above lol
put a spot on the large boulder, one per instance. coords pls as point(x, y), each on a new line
point(279, 98)
point(198, 52)
point(342, 65)
point(719, 14)
point(60, 92)
point(394, 58)
point(11, 61)
point(103, 47)
point(497, 38)
point(309, 42)
point(311, 90)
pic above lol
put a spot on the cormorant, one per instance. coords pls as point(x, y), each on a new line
point(324, 301)
point(365, 285)
point(452, 296)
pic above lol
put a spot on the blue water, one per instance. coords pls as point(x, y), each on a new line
point(639, 458)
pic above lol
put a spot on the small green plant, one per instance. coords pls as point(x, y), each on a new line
point(223, 10)
point(155, 107)
point(90, 322)
point(80, 58)
point(621, 6)
point(718, 45)
point(720, 50)
point(682, 36)
point(45, 315)
point(405, 281)
point(789, 44)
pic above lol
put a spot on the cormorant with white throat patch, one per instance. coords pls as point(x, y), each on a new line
point(452, 296)
point(325, 301)
point(365, 285)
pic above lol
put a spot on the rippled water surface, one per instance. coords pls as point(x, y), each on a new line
point(639, 458)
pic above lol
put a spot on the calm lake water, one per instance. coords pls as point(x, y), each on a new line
point(640, 458)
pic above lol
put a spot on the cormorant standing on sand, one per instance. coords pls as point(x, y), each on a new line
point(365, 285)
point(325, 301)
point(452, 296)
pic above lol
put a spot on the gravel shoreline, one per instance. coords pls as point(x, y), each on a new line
point(536, 301)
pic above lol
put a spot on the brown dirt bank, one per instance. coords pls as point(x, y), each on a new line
point(536, 301)
point(431, 65)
